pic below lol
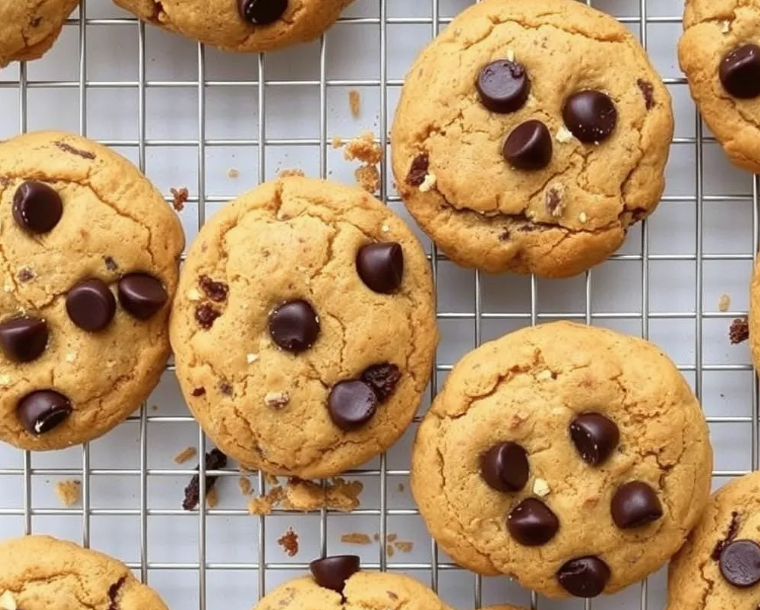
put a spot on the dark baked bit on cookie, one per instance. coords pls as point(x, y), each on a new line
point(28, 28)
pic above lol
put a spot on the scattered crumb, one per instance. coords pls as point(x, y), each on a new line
point(404, 546)
point(336, 495)
point(392, 537)
point(356, 539)
point(277, 400)
point(68, 492)
point(263, 505)
point(428, 183)
point(7, 601)
point(233, 172)
point(285, 173)
point(368, 177)
point(215, 460)
point(401, 488)
point(154, 408)
point(271, 479)
point(376, 537)
point(212, 499)
point(251, 358)
point(355, 102)
point(289, 542)
point(541, 488)
point(564, 135)
point(364, 149)
point(244, 484)
point(510, 55)
point(194, 295)
point(337, 142)
point(724, 303)
point(739, 331)
point(389, 550)
point(186, 454)
point(180, 198)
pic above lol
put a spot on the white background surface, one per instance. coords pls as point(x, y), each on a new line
point(666, 283)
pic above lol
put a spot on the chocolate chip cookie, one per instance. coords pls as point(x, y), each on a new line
point(337, 582)
point(28, 28)
point(720, 55)
point(719, 566)
point(304, 328)
point(39, 573)
point(571, 458)
point(530, 136)
point(241, 25)
point(89, 257)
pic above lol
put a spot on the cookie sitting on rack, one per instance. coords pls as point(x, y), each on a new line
point(720, 54)
point(569, 457)
point(28, 28)
point(304, 328)
point(241, 25)
point(530, 136)
point(89, 255)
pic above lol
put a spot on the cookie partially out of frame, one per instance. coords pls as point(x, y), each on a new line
point(28, 28)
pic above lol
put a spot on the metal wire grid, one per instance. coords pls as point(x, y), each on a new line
point(436, 565)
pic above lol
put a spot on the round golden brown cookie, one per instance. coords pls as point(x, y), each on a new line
point(304, 328)
point(720, 55)
point(571, 458)
point(40, 573)
point(28, 28)
point(241, 25)
point(530, 135)
point(719, 566)
point(336, 583)
point(89, 256)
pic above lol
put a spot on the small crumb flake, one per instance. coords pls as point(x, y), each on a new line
point(277, 400)
point(194, 295)
point(541, 488)
point(186, 454)
point(290, 172)
point(251, 358)
point(180, 197)
point(355, 102)
point(289, 542)
point(244, 484)
point(264, 505)
point(364, 148)
point(724, 303)
point(71, 357)
point(583, 218)
point(356, 538)
point(389, 550)
point(212, 498)
point(401, 488)
point(233, 172)
point(336, 142)
point(739, 331)
point(7, 601)
point(564, 135)
point(391, 537)
point(68, 492)
point(428, 183)
point(510, 55)
point(726, 27)
point(404, 546)
point(368, 177)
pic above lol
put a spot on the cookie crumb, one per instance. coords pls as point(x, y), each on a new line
point(391, 537)
point(389, 550)
point(582, 218)
point(288, 173)
point(7, 601)
point(555, 200)
point(244, 484)
point(356, 538)
point(541, 488)
point(264, 505)
point(428, 183)
point(724, 302)
point(726, 27)
point(337, 142)
point(355, 102)
point(184, 455)
point(739, 331)
point(212, 499)
point(251, 358)
point(401, 488)
point(364, 149)
point(194, 295)
point(289, 542)
point(338, 494)
point(277, 400)
point(233, 172)
point(510, 55)
point(404, 546)
point(271, 479)
point(376, 537)
point(25, 274)
point(215, 460)
point(68, 492)
point(564, 135)
point(179, 198)
point(368, 177)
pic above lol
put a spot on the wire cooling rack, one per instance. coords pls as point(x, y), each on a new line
point(187, 115)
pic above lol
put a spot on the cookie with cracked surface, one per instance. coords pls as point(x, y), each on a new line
point(337, 583)
point(40, 572)
point(530, 136)
point(719, 566)
point(89, 255)
point(572, 458)
point(241, 25)
point(304, 328)
point(720, 56)
point(28, 28)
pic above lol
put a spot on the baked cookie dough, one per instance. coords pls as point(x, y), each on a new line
point(530, 136)
point(304, 328)
point(337, 583)
point(720, 55)
point(754, 316)
point(89, 256)
point(719, 566)
point(39, 573)
point(28, 28)
point(571, 458)
point(241, 25)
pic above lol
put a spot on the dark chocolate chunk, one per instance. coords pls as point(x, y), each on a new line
point(584, 577)
point(142, 295)
point(216, 291)
point(529, 146)
point(647, 90)
point(381, 266)
point(419, 170)
point(595, 436)
point(91, 305)
point(351, 404)
point(206, 315)
point(740, 563)
point(738, 332)
point(43, 410)
point(590, 116)
point(198, 392)
point(37, 207)
point(635, 504)
point(25, 274)
point(740, 72)
point(382, 378)
point(503, 86)
point(333, 572)
point(731, 532)
point(23, 339)
point(113, 593)
point(215, 460)
point(262, 12)
point(532, 523)
point(504, 467)
point(294, 326)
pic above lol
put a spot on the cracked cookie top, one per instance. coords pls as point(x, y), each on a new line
point(571, 458)
point(304, 327)
point(720, 55)
point(241, 25)
point(530, 135)
point(41, 573)
point(28, 28)
point(89, 256)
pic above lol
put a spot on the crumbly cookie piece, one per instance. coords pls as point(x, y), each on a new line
point(89, 254)
point(719, 566)
point(241, 25)
point(720, 55)
point(304, 328)
point(530, 136)
point(28, 28)
point(571, 458)
point(40, 572)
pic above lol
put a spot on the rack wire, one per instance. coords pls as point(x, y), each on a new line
point(645, 311)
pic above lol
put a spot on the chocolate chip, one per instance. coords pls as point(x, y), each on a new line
point(142, 295)
point(740, 72)
point(382, 378)
point(635, 504)
point(595, 437)
point(216, 291)
point(738, 332)
point(419, 169)
point(294, 326)
point(91, 305)
point(23, 339)
point(25, 274)
point(351, 404)
point(333, 572)
point(584, 577)
point(262, 12)
point(529, 146)
point(215, 460)
point(504, 467)
point(37, 207)
point(590, 116)
point(503, 86)
point(740, 563)
point(733, 529)
point(206, 315)
point(532, 523)
point(647, 90)
point(43, 410)
point(110, 263)
point(381, 266)
point(198, 392)
point(113, 593)
point(225, 388)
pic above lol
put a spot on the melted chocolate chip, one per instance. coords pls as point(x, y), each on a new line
point(740, 72)
point(294, 326)
point(216, 291)
point(333, 572)
point(198, 392)
point(43, 410)
point(647, 90)
point(419, 170)
point(584, 577)
point(37, 207)
point(532, 523)
point(529, 146)
point(740, 563)
point(351, 404)
point(595, 436)
point(91, 305)
point(23, 339)
point(635, 504)
point(590, 116)
point(504, 467)
point(142, 295)
point(262, 12)
point(382, 378)
point(206, 315)
point(381, 266)
point(113, 593)
point(503, 86)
